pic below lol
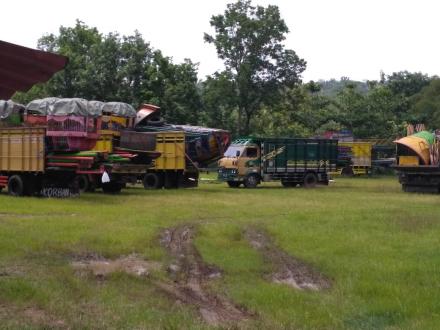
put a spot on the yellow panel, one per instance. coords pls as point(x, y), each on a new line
point(115, 124)
point(105, 143)
point(22, 149)
point(361, 152)
point(409, 160)
point(171, 145)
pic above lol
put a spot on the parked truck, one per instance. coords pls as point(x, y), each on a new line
point(23, 166)
point(183, 149)
point(293, 161)
point(418, 162)
point(173, 168)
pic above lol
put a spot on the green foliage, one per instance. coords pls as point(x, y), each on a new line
point(114, 68)
point(249, 41)
point(427, 105)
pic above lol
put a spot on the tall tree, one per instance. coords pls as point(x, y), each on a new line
point(249, 41)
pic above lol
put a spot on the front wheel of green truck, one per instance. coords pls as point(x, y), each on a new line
point(234, 184)
point(251, 181)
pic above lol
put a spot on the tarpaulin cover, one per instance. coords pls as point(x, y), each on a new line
point(9, 109)
point(22, 67)
point(119, 109)
point(74, 106)
point(41, 106)
point(95, 107)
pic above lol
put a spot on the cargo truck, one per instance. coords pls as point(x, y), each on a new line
point(293, 161)
point(418, 162)
point(173, 168)
point(23, 167)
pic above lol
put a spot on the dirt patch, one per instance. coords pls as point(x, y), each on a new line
point(190, 275)
point(286, 268)
point(33, 315)
point(101, 267)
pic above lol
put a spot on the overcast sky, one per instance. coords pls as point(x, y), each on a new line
point(351, 38)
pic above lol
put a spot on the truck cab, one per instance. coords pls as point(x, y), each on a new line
point(241, 164)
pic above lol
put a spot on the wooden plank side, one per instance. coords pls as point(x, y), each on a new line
point(22, 149)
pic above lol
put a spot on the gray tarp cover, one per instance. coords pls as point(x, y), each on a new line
point(119, 109)
point(40, 106)
point(7, 108)
point(74, 106)
point(95, 108)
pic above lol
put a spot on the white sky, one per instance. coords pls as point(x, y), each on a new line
point(353, 38)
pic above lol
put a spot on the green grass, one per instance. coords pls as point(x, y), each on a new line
point(379, 246)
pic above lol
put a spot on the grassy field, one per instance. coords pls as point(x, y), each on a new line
point(378, 246)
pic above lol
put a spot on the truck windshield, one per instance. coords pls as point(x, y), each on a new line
point(232, 151)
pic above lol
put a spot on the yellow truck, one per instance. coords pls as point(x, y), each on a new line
point(23, 167)
point(354, 158)
point(173, 168)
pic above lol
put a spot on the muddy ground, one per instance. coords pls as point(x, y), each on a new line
point(286, 269)
point(190, 276)
point(101, 267)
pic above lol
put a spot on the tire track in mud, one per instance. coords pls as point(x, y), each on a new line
point(287, 269)
point(190, 275)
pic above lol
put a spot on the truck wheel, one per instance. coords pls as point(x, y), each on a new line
point(16, 186)
point(251, 181)
point(347, 171)
point(234, 184)
point(83, 183)
point(153, 181)
point(310, 180)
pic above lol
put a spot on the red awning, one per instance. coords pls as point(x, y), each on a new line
point(22, 67)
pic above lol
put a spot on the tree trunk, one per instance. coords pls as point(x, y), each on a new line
point(247, 123)
point(239, 120)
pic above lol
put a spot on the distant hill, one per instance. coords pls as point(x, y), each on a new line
point(332, 87)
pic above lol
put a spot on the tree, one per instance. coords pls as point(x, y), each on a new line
point(114, 68)
point(426, 107)
point(249, 41)
point(219, 102)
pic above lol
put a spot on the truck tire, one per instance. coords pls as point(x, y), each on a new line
point(16, 186)
point(83, 183)
point(251, 181)
point(310, 180)
point(153, 181)
point(234, 184)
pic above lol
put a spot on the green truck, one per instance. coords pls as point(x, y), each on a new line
point(293, 161)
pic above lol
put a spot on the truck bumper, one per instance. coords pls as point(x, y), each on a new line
point(228, 174)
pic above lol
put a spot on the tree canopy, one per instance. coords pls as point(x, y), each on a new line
point(249, 41)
